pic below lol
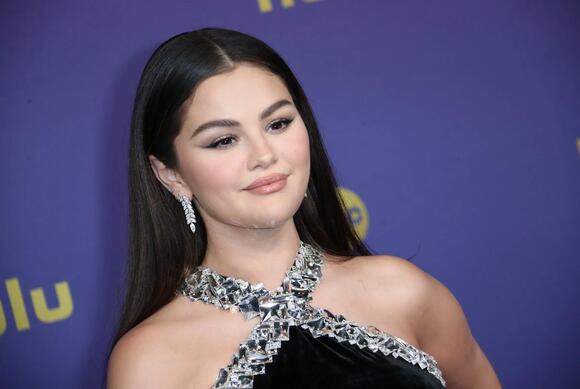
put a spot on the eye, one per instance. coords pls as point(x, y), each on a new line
point(224, 142)
point(221, 142)
point(285, 122)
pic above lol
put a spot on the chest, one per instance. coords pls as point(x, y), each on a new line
point(339, 306)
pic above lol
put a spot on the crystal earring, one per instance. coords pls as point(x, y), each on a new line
point(189, 214)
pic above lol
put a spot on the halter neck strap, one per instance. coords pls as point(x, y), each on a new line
point(230, 293)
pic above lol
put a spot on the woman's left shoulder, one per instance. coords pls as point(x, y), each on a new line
point(395, 291)
point(433, 312)
point(388, 266)
point(390, 275)
point(425, 303)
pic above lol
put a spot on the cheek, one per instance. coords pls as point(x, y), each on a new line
point(209, 176)
point(297, 148)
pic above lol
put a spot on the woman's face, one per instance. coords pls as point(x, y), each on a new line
point(261, 133)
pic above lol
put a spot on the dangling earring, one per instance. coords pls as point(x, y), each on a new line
point(306, 194)
point(189, 214)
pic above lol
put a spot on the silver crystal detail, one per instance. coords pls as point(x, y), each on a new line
point(287, 306)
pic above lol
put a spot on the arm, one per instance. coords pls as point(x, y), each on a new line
point(444, 332)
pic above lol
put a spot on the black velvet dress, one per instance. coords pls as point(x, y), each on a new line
point(297, 345)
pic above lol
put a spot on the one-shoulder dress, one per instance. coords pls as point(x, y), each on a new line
point(297, 345)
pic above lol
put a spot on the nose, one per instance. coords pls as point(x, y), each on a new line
point(262, 153)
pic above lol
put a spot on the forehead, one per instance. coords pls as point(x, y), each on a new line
point(245, 90)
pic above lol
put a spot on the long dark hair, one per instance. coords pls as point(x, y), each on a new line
point(161, 246)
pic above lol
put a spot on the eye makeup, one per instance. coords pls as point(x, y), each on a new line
point(219, 142)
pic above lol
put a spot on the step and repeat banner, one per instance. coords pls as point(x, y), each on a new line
point(453, 128)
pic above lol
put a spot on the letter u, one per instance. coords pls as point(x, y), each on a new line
point(50, 315)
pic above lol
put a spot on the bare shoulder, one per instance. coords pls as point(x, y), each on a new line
point(380, 290)
point(389, 279)
point(183, 345)
point(430, 310)
point(150, 355)
point(380, 268)
point(137, 359)
point(422, 298)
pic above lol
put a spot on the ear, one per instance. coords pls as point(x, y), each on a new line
point(170, 179)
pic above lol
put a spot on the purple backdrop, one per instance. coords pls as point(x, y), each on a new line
point(456, 123)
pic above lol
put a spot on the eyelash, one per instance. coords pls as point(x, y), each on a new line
point(216, 143)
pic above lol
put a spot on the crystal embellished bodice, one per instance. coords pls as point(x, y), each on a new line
point(287, 306)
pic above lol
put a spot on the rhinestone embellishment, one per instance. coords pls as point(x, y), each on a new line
point(282, 308)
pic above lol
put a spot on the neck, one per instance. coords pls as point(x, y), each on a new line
point(252, 254)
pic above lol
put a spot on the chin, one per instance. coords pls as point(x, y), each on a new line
point(270, 220)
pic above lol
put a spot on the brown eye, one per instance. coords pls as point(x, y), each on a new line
point(226, 141)
point(281, 124)
point(221, 143)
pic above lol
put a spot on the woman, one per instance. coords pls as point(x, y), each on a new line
point(244, 270)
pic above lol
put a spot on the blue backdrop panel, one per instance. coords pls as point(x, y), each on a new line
point(454, 128)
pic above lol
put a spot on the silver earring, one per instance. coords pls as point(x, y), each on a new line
point(189, 214)
point(306, 194)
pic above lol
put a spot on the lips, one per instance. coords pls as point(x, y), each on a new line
point(266, 180)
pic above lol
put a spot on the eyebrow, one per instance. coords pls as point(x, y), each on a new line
point(233, 123)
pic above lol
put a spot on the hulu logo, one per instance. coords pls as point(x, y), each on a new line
point(266, 5)
point(41, 310)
